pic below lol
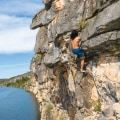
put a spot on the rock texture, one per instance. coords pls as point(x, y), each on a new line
point(64, 93)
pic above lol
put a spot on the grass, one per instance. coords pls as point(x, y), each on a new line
point(82, 23)
point(40, 54)
point(96, 105)
point(52, 113)
point(37, 55)
point(48, 109)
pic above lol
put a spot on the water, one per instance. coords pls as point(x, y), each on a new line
point(16, 104)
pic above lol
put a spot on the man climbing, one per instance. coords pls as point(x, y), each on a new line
point(75, 39)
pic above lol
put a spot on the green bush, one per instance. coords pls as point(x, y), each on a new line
point(48, 109)
point(20, 83)
point(82, 23)
point(96, 105)
point(37, 55)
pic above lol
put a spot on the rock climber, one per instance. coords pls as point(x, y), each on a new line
point(75, 39)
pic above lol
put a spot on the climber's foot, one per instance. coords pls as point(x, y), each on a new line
point(82, 70)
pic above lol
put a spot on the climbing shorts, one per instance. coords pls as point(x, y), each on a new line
point(78, 52)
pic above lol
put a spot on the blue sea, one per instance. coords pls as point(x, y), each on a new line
point(17, 104)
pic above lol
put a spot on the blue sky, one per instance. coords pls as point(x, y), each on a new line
point(17, 41)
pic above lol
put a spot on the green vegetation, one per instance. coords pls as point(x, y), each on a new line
point(48, 109)
point(37, 55)
point(40, 54)
point(82, 23)
point(53, 113)
point(96, 105)
point(54, 79)
point(20, 81)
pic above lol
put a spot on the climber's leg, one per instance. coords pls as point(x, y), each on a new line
point(82, 63)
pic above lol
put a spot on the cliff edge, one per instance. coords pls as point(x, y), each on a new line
point(63, 92)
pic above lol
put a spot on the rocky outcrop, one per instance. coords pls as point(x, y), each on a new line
point(64, 93)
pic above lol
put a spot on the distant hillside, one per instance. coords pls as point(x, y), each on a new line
point(20, 81)
point(3, 79)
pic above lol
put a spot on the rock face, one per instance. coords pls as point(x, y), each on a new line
point(64, 93)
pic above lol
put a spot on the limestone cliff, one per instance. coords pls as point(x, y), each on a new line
point(64, 93)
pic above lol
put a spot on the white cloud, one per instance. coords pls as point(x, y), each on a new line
point(10, 22)
point(15, 20)
point(21, 39)
point(15, 34)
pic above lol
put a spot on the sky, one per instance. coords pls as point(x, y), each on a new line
point(17, 40)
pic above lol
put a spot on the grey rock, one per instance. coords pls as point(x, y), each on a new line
point(52, 33)
point(79, 96)
point(101, 4)
point(108, 112)
point(66, 19)
point(112, 93)
point(32, 66)
point(101, 117)
point(108, 93)
point(56, 55)
point(78, 115)
point(52, 56)
point(93, 7)
point(41, 73)
point(78, 77)
point(65, 58)
point(74, 91)
point(35, 62)
point(42, 18)
point(102, 43)
point(105, 21)
point(47, 1)
point(50, 74)
point(48, 58)
point(41, 44)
